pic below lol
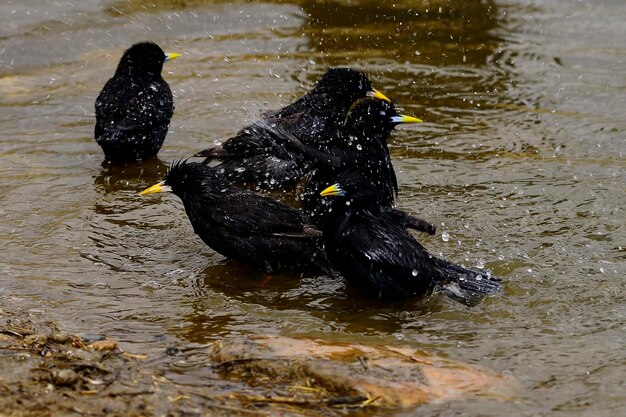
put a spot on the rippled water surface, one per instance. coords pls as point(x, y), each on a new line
point(520, 161)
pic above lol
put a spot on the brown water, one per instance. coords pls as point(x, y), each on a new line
point(520, 161)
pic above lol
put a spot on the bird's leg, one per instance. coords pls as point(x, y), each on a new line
point(266, 280)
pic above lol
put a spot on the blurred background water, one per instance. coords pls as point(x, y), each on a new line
point(520, 163)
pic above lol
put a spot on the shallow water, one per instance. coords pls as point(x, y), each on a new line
point(520, 162)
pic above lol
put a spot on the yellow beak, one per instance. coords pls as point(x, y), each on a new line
point(402, 118)
point(156, 188)
point(377, 94)
point(333, 190)
point(170, 56)
point(410, 119)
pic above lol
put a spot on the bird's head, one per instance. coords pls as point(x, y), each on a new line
point(375, 116)
point(352, 189)
point(144, 58)
point(348, 84)
point(186, 179)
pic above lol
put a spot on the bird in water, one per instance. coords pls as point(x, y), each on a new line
point(359, 144)
point(256, 155)
point(241, 224)
point(371, 249)
point(134, 108)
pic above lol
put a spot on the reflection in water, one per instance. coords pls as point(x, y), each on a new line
point(125, 228)
point(439, 33)
point(230, 299)
point(117, 176)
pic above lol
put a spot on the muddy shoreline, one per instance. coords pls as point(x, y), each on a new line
point(47, 372)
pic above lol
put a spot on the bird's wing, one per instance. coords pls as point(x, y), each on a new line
point(259, 138)
point(109, 105)
point(305, 119)
point(152, 106)
point(294, 110)
point(248, 212)
point(145, 109)
point(251, 140)
point(310, 119)
point(385, 245)
point(398, 257)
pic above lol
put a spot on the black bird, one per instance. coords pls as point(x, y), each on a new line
point(241, 224)
point(360, 144)
point(370, 248)
point(256, 155)
point(134, 108)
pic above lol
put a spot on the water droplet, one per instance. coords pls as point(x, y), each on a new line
point(480, 264)
point(414, 272)
point(359, 147)
point(445, 236)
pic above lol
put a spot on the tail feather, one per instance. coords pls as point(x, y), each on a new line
point(465, 285)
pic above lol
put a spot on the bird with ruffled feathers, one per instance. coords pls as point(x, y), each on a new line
point(374, 251)
point(257, 155)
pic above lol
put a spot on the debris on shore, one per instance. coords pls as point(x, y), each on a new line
point(45, 372)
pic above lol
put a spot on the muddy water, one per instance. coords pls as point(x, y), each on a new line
point(520, 163)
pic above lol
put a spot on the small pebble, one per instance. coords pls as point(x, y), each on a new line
point(59, 338)
point(172, 351)
point(103, 345)
point(64, 376)
point(89, 338)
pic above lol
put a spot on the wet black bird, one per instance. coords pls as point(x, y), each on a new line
point(370, 248)
point(134, 108)
point(360, 144)
point(257, 155)
point(243, 225)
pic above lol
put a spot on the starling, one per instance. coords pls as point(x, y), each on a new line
point(256, 155)
point(360, 144)
point(241, 224)
point(371, 249)
point(134, 108)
